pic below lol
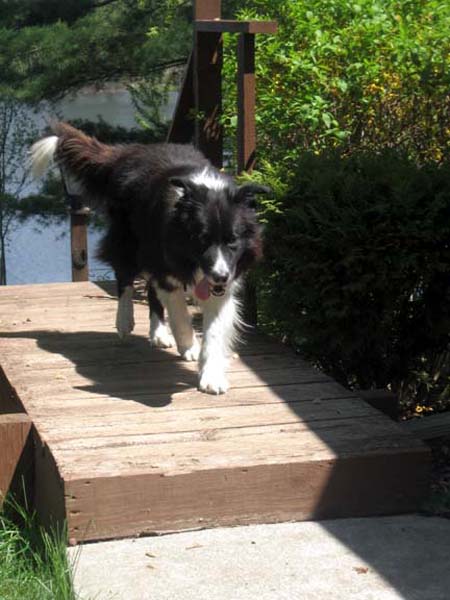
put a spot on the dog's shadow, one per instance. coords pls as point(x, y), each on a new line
point(126, 370)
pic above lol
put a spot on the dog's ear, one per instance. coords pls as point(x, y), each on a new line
point(246, 193)
point(183, 185)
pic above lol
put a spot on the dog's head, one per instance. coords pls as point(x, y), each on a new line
point(217, 229)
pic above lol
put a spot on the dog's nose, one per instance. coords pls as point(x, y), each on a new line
point(220, 277)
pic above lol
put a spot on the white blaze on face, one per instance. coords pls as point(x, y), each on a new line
point(209, 179)
point(220, 268)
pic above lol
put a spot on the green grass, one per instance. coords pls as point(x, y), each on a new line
point(33, 562)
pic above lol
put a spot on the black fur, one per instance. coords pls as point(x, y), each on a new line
point(160, 221)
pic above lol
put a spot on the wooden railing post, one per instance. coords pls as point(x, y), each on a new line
point(246, 140)
point(246, 101)
point(79, 218)
point(203, 75)
point(207, 79)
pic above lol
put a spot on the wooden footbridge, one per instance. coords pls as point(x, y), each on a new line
point(124, 444)
point(115, 439)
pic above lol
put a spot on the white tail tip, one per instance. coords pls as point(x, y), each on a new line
point(42, 154)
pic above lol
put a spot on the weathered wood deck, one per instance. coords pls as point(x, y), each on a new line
point(125, 444)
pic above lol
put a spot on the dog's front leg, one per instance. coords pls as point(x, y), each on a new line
point(125, 310)
point(180, 323)
point(219, 321)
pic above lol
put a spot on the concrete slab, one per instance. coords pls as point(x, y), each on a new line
point(387, 558)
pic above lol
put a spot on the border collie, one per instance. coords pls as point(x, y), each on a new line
point(176, 219)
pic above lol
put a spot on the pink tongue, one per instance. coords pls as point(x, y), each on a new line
point(201, 290)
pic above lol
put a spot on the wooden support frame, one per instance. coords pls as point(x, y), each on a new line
point(14, 439)
point(228, 26)
point(182, 127)
point(208, 95)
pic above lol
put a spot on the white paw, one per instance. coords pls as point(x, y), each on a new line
point(213, 381)
point(192, 353)
point(161, 338)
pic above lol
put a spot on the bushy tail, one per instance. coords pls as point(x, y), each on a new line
point(42, 154)
point(80, 156)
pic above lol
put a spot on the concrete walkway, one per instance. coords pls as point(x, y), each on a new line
point(385, 558)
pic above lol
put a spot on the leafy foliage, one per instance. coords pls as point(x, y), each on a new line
point(356, 74)
point(43, 54)
point(360, 260)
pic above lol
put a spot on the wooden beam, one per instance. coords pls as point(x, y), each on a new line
point(246, 140)
point(182, 127)
point(207, 9)
point(208, 95)
point(246, 129)
point(228, 26)
point(14, 433)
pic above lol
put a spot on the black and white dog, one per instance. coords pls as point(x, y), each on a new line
point(177, 219)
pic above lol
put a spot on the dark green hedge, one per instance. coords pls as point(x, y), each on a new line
point(357, 271)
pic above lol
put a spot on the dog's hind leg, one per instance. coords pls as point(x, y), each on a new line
point(160, 336)
point(180, 323)
point(125, 311)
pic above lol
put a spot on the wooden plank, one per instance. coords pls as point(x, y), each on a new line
point(71, 404)
point(48, 289)
point(50, 492)
point(182, 452)
point(9, 400)
point(167, 364)
point(65, 428)
point(178, 379)
point(430, 427)
point(311, 489)
point(230, 26)
point(14, 433)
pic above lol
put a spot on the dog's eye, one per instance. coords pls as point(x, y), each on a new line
point(232, 243)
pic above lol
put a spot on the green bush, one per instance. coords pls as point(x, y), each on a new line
point(359, 73)
point(359, 261)
point(352, 122)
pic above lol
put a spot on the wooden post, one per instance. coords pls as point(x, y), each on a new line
point(246, 140)
point(246, 129)
point(182, 127)
point(207, 9)
point(78, 243)
point(207, 79)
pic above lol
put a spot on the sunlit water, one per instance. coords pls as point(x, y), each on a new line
point(40, 254)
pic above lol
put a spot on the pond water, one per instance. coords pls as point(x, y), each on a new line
point(40, 254)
